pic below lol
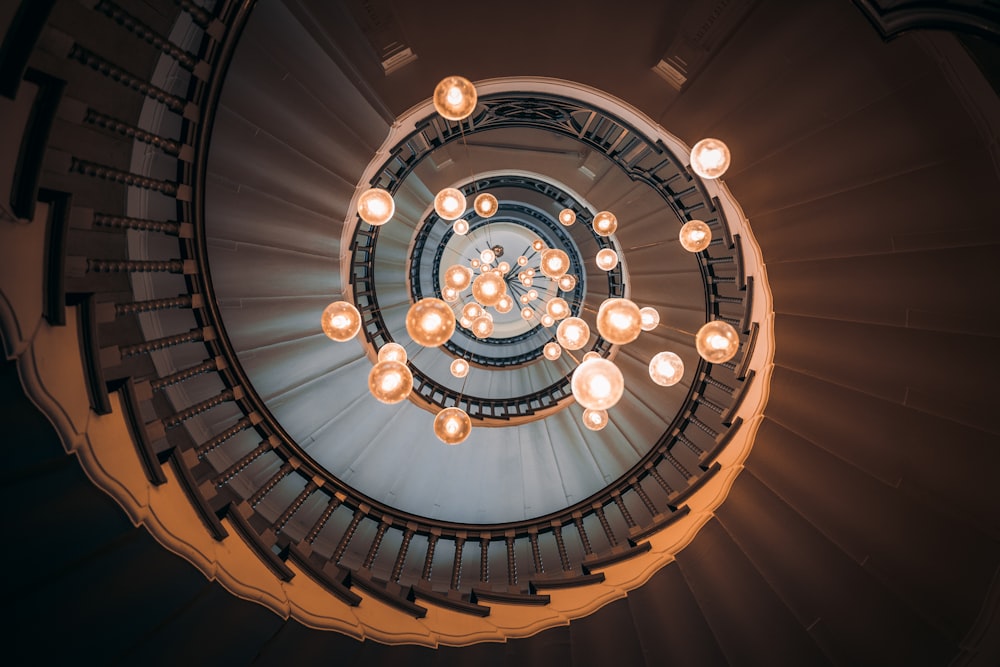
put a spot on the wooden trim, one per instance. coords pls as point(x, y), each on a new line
point(28, 170)
point(54, 273)
point(97, 389)
point(22, 35)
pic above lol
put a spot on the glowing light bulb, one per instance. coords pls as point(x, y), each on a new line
point(471, 310)
point(527, 282)
point(503, 267)
point(474, 262)
point(457, 276)
point(547, 320)
point(557, 308)
point(605, 223)
point(530, 273)
point(449, 294)
point(666, 369)
point(597, 384)
point(650, 318)
point(455, 98)
point(595, 420)
point(607, 259)
point(555, 263)
point(485, 205)
point(341, 321)
point(710, 158)
point(695, 236)
point(459, 368)
point(526, 313)
point(390, 381)
point(532, 294)
point(567, 217)
point(573, 333)
point(538, 245)
point(591, 355)
point(449, 203)
point(717, 341)
point(482, 326)
point(505, 304)
point(522, 260)
point(567, 282)
point(392, 352)
point(452, 426)
point(552, 351)
point(460, 227)
point(487, 256)
point(376, 206)
point(487, 288)
point(430, 322)
point(619, 321)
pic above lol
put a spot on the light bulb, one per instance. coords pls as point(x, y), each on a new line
point(650, 318)
point(485, 205)
point(573, 333)
point(619, 321)
point(487, 256)
point(452, 426)
point(592, 355)
point(529, 272)
point(595, 420)
point(449, 294)
point(471, 310)
point(430, 322)
point(695, 236)
point(341, 321)
point(605, 223)
point(710, 158)
point(557, 308)
point(466, 322)
point(455, 97)
point(460, 227)
point(392, 352)
point(482, 326)
point(505, 304)
point(567, 282)
point(717, 341)
point(527, 313)
point(607, 259)
point(666, 369)
point(460, 368)
point(538, 245)
point(474, 262)
point(597, 384)
point(487, 288)
point(457, 276)
point(547, 320)
point(567, 217)
point(449, 203)
point(532, 294)
point(376, 207)
point(390, 381)
point(522, 260)
point(503, 267)
point(525, 298)
point(555, 262)
point(527, 282)
point(552, 351)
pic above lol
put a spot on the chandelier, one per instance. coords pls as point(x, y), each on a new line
point(472, 293)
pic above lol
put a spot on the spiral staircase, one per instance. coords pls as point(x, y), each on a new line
point(201, 476)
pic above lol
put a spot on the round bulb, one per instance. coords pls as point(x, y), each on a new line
point(650, 318)
point(710, 158)
point(567, 217)
point(619, 321)
point(522, 260)
point(532, 294)
point(487, 256)
point(666, 369)
point(430, 322)
point(527, 281)
point(390, 381)
point(392, 352)
point(525, 298)
point(376, 207)
point(465, 322)
point(460, 227)
point(597, 384)
point(717, 341)
point(482, 326)
point(538, 245)
point(471, 311)
point(527, 313)
point(452, 426)
point(605, 223)
point(460, 368)
point(505, 304)
point(503, 267)
point(557, 308)
point(555, 263)
point(573, 333)
point(607, 259)
point(457, 276)
point(567, 282)
point(695, 236)
point(547, 320)
point(474, 262)
point(485, 205)
point(449, 294)
point(530, 273)
point(449, 203)
point(455, 97)
point(595, 420)
point(341, 321)
point(488, 288)
point(592, 355)
point(552, 351)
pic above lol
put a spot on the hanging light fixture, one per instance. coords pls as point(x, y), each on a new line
point(430, 322)
point(552, 351)
point(390, 381)
point(650, 318)
point(547, 320)
point(459, 368)
point(392, 352)
point(505, 304)
point(457, 276)
point(573, 333)
point(538, 245)
point(567, 217)
point(666, 369)
point(717, 341)
point(597, 384)
point(606, 259)
point(619, 321)
point(376, 206)
point(695, 236)
point(557, 308)
point(341, 321)
point(605, 223)
point(482, 326)
point(485, 205)
point(595, 420)
point(455, 98)
point(555, 262)
point(452, 426)
point(489, 288)
point(567, 282)
point(450, 203)
point(710, 158)
point(487, 256)
point(460, 226)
